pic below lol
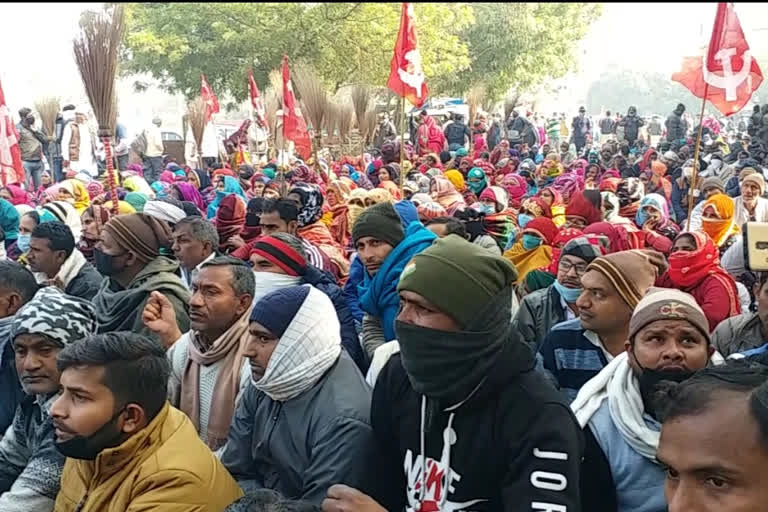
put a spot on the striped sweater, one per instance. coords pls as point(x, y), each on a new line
point(573, 355)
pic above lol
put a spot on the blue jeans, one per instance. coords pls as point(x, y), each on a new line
point(58, 174)
point(34, 171)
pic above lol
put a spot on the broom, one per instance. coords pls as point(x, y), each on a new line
point(196, 110)
point(96, 49)
point(474, 99)
point(361, 98)
point(48, 109)
point(271, 106)
point(315, 103)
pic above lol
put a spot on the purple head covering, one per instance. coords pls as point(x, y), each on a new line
point(189, 192)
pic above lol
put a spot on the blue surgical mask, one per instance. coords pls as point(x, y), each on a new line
point(531, 242)
point(23, 242)
point(488, 209)
point(569, 294)
point(524, 219)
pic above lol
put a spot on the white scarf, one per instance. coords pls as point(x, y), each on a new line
point(618, 384)
point(267, 282)
point(309, 347)
point(68, 271)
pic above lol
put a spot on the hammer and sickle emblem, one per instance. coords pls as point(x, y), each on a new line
point(671, 309)
point(729, 81)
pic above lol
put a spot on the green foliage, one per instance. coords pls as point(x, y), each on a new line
point(499, 45)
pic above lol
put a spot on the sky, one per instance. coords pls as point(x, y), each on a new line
point(644, 36)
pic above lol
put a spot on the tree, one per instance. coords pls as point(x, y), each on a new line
point(463, 44)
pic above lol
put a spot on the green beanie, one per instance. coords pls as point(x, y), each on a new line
point(380, 221)
point(458, 277)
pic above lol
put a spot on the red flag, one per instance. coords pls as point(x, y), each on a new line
point(212, 103)
point(11, 168)
point(727, 73)
point(294, 126)
point(256, 102)
point(406, 76)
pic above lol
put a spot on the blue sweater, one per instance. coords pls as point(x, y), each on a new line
point(570, 357)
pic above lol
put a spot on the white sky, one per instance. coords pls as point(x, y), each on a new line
point(37, 59)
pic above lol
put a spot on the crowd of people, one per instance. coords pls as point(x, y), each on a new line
point(502, 321)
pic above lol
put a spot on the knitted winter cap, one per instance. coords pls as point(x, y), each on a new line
point(631, 273)
point(712, 182)
point(667, 304)
point(457, 276)
point(380, 221)
point(276, 310)
point(581, 247)
point(140, 233)
point(280, 254)
point(64, 318)
point(757, 179)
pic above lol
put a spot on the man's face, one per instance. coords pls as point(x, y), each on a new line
point(262, 264)
point(600, 306)
point(569, 271)
point(669, 345)
point(715, 460)
point(271, 223)
point(26, 225)
point(258, 349)
point(372, 252)
point(418, 311)
point(189, 251)
point(214, 306)
point(750, 191)
point(44, 259)
point(36, 363)
point(86, 405)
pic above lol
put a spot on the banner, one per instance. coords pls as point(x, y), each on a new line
point(294, 126)
point(406, 76)
point(211, 102)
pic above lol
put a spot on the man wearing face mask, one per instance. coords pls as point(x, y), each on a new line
point(126, 447)
point(668, 340)
point(467, 422)
point(207, 368)
point(128, 254)
point(543, 309)
point(30, 466)
point(631, 124)
point(279, 261)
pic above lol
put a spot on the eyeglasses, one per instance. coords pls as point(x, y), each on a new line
point(566, 267)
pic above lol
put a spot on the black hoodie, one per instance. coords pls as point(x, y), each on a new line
point(517, 445)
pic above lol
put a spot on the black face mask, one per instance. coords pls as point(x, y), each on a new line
point(88, 448)
point(649, 381)
point(105, 263)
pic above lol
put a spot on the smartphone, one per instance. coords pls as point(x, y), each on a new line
point(756, 246)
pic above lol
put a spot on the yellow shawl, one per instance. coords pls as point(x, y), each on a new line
point(526, 261)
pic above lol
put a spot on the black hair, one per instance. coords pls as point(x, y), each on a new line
point(34, 216)
point(267, 500)
point(243, 281)
point(453, 226)
point(136, 367)
point(68, 107)
point(286, 208)
point(16, 277)
point(607, 113)
point(58, 234)
point(190, 209)
point(696, 395)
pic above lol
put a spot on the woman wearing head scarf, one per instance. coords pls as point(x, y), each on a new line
point(618, 237)
point(500, 220)
point(516, 189)
point(476, 180)
point(499, 152)
point(337, 196)
point(304, 174)
point(388, 177)
point(355, 206)
point(256, 185)
point(9, 222)
point(457, 180)
point(138, 184)
point(244, 173)
point(592, 177)
point(583, 209)
point(167, 177)
point(93, 219)
point(630, 192)
point(694, 267)
point(446, 195)
point(655, 180)
point(313, 230)
point(160, 189)
point(653, 217)
point(229, 221)
point(554, 199)
point(136, 200)
point(479, 148)
point(74, 192)
point(15, 195)
point(611, 208)
point(225, 186)
point(66, 213)
point(534, 249)
point(718, 221)
point(187, 192)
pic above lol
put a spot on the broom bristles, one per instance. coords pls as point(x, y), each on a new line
point(48, 109)
point(345, 120)
point(96, 50)
point(276, 80)
point(271, 106)
point(474, 99)
point(361, 98)
point(314, 97)
point(196, 110)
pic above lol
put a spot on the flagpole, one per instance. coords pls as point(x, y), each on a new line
point(696, 158)
point(402, 145)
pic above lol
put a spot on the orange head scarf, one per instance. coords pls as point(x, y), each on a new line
point(722, 226)
point(456, 179)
